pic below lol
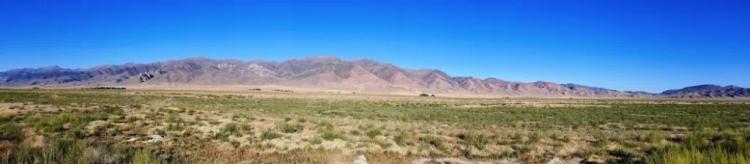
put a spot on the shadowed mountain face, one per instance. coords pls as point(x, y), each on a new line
point(316, 73)
point(708, 91)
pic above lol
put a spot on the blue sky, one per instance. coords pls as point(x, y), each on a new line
point(626, 45)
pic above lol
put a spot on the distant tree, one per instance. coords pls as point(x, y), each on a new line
point(424, 95)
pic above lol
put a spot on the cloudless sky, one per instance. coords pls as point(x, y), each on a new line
point(646, 45)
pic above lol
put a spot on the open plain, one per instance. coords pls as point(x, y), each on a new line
point(281, 126)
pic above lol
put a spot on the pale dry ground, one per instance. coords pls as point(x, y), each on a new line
point(278, 91)
point(348, 145)
point(336, 138)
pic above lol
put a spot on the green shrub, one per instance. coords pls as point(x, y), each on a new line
point(655, 138)
point(145, 157)
point(400, 139)
point(26, 154)
point(291, 128)
point(324, 125)
point(70, 124)
point(601, 140)
point(175, 127)
point(230, 129)
point(246, 128)
point(116, 110)
point(434, 141)
point(473, 139)
point(705, 147)
point(534, 137)
point(373, 133)
point(328, 135)
point(10, 131)
point(269, 135)
point(63, 151)
point(316, 141)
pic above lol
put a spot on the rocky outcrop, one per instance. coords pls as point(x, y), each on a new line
point(145, 77)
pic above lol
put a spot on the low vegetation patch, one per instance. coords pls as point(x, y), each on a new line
point(269, 135)
point(132, 126)
point(706, 147)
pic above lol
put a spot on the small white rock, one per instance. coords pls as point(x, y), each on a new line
point(154, 138)
point(360, 160)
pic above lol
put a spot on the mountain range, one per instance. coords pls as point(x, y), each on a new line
point(324, 73)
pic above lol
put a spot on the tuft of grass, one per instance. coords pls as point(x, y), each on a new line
point(10, 131)
point(145, 157)
point(269, 135)
point(374, 133)
point(324, 125)
point(705, 148)
point(329, 135)
point(230, 129)
point(474, 139)
point(434, 141)
point(655, 138)
point(316, 141)
point(601, 140)
point(175, 127)
point(26, 154)
point(291, 128)
point(400, 138)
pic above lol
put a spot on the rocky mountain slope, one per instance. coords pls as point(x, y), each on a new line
point(708, 91)
point(315, 72)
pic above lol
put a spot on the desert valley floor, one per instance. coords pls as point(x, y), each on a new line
point(267, 126)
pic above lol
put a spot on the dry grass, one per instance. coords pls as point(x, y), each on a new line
point(247, 127)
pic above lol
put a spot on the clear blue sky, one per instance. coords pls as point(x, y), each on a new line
point(627, 45)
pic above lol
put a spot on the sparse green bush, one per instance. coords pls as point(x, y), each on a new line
point(25, 154)
point(434, 141)
point(702, 147)
point(400, 139)
point(316, 141)
point(10, 130)
point(474, 139)
point(324, 125)
point(246, 128)
point(230, 129)
point(269, 135)
point(534, 137)
point(373, 133)
point(69, 124)
point(601, 140)
point(63, 151)
point(329, 135)
point(175, 127)
point(291, 128)
point(655, 137)
point(146, 157)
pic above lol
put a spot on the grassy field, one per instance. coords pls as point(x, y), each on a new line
point(125, 126)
